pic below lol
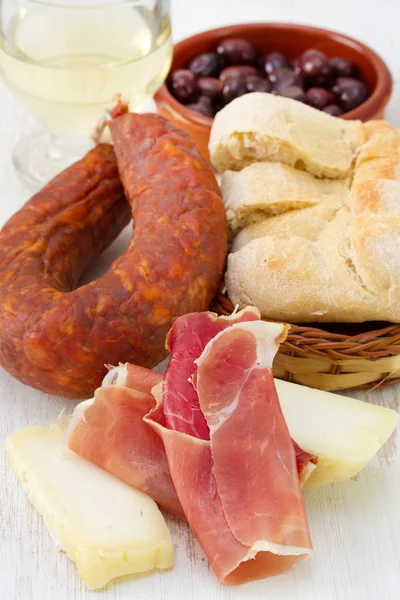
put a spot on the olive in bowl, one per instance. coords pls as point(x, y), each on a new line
point(324, 69)
point(311, 78)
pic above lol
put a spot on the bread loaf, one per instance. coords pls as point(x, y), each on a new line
point(307, 249)
point(263, 127)
point(304, 223)
point(266, 189)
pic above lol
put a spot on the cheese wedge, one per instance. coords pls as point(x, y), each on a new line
point(106, 527)
point(343, 433)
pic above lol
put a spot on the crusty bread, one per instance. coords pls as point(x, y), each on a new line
point(381, 141)
point(299, 280)
point(337, 259)
point(265, 189)
point(263, 127)
point(300, 222)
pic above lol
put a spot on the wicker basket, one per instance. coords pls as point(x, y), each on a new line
point(365, 355)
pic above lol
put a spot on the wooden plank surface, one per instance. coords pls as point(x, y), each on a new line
point(355, 525)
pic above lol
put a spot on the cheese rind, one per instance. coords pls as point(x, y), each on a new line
point(106, 527)
point(343, 433)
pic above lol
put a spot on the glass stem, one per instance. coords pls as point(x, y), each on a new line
point(61, 147)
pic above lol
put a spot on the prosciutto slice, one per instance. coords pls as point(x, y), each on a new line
point(133, 377)
point(110, 432)
point(239, 490)
point(209, 442)
point(254, 462)
point(186, 341)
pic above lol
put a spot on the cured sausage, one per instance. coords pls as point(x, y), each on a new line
point(57, 338)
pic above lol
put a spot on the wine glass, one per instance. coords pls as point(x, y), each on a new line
point(67, 59)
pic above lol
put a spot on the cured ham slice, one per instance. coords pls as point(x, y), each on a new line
point(133, 377)
point(186, 341)
point(306, 462)
point(254, 462)
point(109, 431)
point(171, 450)
point(244, 537)
point(191, 463)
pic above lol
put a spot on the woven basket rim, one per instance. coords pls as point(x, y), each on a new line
point(371, 344)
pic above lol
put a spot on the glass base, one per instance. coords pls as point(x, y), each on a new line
point(40, 157)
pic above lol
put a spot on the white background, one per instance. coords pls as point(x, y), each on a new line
point(355, 525)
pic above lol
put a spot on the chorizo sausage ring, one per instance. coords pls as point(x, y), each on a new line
point(57, 338)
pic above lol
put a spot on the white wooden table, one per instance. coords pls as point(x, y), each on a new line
point(355, 525)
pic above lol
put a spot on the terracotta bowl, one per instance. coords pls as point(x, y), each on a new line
point(291, 40)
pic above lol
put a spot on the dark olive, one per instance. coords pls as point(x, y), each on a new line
point(324, 81)
point(353, 95)
point(206, 100)
point(319, 97)
point(208, 64)
point(343, 67)
point(284, 77)
point(315, 66)
point(183, 85)
point(201, 108)
point(260, 62)
point(213, 79)
point(294, 92)
point(237, 51)
point(342, 83)
point(208, 104)
point(333, 109)
point(233, 89)
point(255, 83)
point(295, 64)
point(275, 60)
point(237, 72)
point(210, 86)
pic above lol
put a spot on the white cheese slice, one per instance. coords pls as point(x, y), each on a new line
point(343, 433)
point(106, 527)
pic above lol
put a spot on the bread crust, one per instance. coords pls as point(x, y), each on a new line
point(262, 127)
point(309, 249)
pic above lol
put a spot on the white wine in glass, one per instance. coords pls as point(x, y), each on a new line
point(65, 60)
